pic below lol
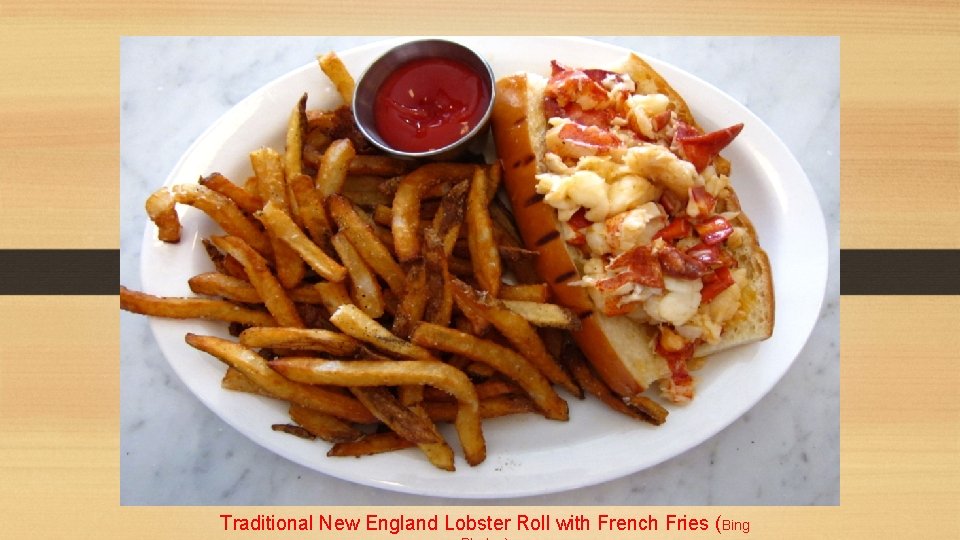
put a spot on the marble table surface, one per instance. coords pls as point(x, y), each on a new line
point(174, 451)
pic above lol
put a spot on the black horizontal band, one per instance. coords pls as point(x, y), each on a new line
point(59, 271)
point(97, 272)
point(896, 272)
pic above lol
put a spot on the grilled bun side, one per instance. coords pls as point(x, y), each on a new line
point(755, 319)
point(618, 348)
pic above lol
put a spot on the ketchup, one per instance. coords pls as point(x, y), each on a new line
point(429, 103)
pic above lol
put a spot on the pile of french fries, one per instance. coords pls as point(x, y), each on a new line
point(378, 297)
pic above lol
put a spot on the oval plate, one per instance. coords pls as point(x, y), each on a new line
point(527, 455)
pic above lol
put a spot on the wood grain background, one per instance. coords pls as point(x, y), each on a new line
point(59, 188)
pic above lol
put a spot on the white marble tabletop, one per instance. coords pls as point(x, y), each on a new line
point(784, 451)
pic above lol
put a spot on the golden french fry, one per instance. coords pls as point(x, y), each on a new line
point(268, 288)
point(225, 213)
point(440, 300)
point(161, 208)
point(234, 379)
point(242, 198)
point(410, 372)
point(494, 407)
point(440, 454)
point(293, 151)
point(333, 67)
point(332, 172)
point(518, 332)
point(533, 292)
point(410, 423)
point(240, 290)
point(406, 203)
point(331, 295)
point(361, 235)
point(483, 249)
point(414, 302)
point(354, 322)
point(545, 315)
point(312, 339)
point(494, 177)
point(191, 308)
point(371, 444)
point(382, 166)
point(282, 227)
point(515, 367)
point(364, 287)
point(268, 166)
point(256, 368)
point(312, 211)
point(322, 425)
point(449, 216)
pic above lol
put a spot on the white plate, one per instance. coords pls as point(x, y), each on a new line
point(526, 455)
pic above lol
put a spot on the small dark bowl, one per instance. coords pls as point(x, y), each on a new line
point(365, 93)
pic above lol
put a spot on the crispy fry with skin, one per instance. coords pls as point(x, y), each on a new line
point(225, 213)
point(282, 227)
point(382, 166)
point(191, 308)
point(296, 431)
point(544, 315)
point(333, 67)
point(332, 172)
point(364, 287)
point(161, 208)
point(494, 407)
point(352, 321)
point(483, 249)
point(449, 217)
point(404, 422)
point(533, 292)
point(361, 235)
point(413, 303)
point(440, 454)
point(268, 166)
point(256, 368)
point(323, 426)
point(406, 203)
point(410, 372)
point(312, 211)
point(268, 288)
point(240, 290)
point(440, 301)
point(221, 184)
point(293, 150)
point(234, 379)
point(303, 339)
point(518, 332)
point(512, 365)
point(371, 444)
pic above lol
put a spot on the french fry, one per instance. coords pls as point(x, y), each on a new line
point(483, 249)
point(352, 321)
point(191, 308)
point(449, 217)
point(413, 303)
point(268, 288)
point(293, 150)
point(440, 454)
point(494, 177)
point(518, 332)
point(383, 166)
point(361, 235)
point(332, 172)
point(161, 208)
point(225, 213)
point(296, 431)
point(440, 300)
point(240, 290)
point(332, 295)
point(268, 166)
point(302, 339)
point(515, 367)
point(371, 444)
point(234, 379)
point(404, 422)
point(242, 198)
point(410, 372)
point(494, 407)
point(406, 203)
point(312, 211)
point(364, 288)
point(255, 368)
point(545, 315)
point(281, 226)
point(323, 426)
point(533, 292)
point(337, 72)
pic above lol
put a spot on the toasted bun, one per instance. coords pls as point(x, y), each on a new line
point(620, 349)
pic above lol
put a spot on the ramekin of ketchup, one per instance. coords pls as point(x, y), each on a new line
point(428, 98)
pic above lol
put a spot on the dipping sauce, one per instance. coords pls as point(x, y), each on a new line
point(429, 103)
